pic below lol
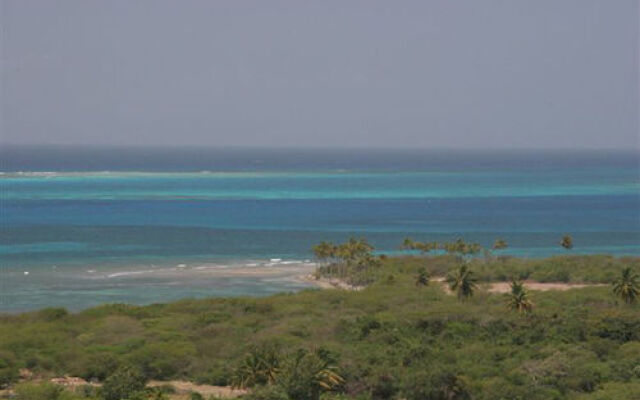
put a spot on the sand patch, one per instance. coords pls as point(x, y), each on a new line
point(185, 387)
point(71, 382)
point(505, 287)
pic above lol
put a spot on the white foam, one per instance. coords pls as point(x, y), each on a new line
point(117, 274)
point(128, 273)
point(34, 173)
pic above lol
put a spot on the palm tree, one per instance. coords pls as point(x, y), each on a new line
point(422, 279)
point(354, 249)
point(452, 248)
point(323, 251)
point(423, 247)
point(326, 373)
point(260, 366)
point(519, 298)
point(500, 244)
point(462, 282)
point(356, 254)
point(567, 242)
point(460, 248)
point(426, 246)
point(407, 244)
point(627, 286)
point(306, 374)
point(472, 249)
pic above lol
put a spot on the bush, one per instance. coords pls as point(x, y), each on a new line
point(166, 388)
point(52, 314)
point(98, 366)
point(43, 391)
point(384, 387)
point(267, 393)
point(126, 382)
point(163, 360)
point(614, 390)
point(195, 396)
point(87, 391)
point(218, 375)
point(8, 371)
point(436, 385)
point(623, 330)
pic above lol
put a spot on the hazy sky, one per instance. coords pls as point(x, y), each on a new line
point(509, 73)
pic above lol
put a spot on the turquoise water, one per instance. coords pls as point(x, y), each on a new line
point(92, 226)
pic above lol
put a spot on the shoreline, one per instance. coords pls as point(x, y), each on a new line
point(91, 286)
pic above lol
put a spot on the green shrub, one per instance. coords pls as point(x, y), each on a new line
point(166, 388)
point(43, 391)
point(620, 329)
point(8, 370)
point(438, 384)
point(195, 396)
point(218, 375)
point(98, 366)
point(52, 314)
point(267, 393)
point(614, 391)
point(124, 383)
point(384, 387)
point(163, 360)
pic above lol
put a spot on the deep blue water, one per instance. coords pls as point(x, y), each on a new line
point(71, 217)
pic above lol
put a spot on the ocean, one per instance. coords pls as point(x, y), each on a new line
point(82, 226)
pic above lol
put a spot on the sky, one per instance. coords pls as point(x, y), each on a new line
point(419, 74)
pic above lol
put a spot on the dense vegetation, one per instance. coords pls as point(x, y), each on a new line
point(354, 262)
point(403, 337)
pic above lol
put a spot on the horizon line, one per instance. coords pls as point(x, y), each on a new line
point(304, 148)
